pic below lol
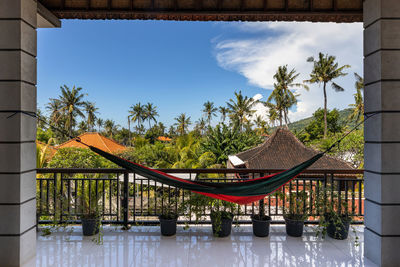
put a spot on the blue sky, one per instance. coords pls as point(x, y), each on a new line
point(180, 65)
point(119, 63)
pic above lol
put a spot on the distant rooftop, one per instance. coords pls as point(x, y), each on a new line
point(283, 151)
point(96, 140)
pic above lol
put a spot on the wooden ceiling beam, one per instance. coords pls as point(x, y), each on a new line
point(131, 4)
point(62, 4)
point(153, 5)
point(241, 5)
point(287, 5)
point(87, 4)
point(265, 5)
point(199, 4)
point(109, 4)
point(334, 4)
point(219, 4)
point(311, 5)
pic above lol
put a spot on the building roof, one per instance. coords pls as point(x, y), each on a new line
point(164, 138)
point(283, 151)
point(96, 140)
point(206, 10)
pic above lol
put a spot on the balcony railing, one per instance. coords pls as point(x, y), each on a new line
point(126, 198)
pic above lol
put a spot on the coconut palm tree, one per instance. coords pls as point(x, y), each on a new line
point(273, 114)
point(358, 106)
point(99, 123)
point(261, 124)
point(54, 106)
point(224, 111)
point(110, 127)
point(182, 123)
point(201, 125)
point(71, 105)
point(150, 113)
point(325, 70)
point(82, 127)
point(91, 112)
point(282, 96)
point(138, 113)
point(240, 108)
point(209, 111)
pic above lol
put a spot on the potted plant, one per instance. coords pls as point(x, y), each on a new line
point(335, 220)
point(221, 217)
point(260, 221)
point(90, 217)
point(296, 213)
point(221, 213)
point(168, 217)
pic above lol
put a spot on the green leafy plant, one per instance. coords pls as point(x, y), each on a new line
point(296, 205)
point(199, 205)
point(334, 212)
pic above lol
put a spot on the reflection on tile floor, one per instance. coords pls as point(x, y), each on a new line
point(143, 246)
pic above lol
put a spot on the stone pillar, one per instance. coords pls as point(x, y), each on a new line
point(18, 133)
point(382, 131)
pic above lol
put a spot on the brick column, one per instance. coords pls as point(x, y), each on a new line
point(382, 132)
point(18, 133)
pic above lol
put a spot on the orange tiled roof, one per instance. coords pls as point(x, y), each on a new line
point(96, 140)
point(164, 138)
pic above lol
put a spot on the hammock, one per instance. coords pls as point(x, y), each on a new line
point(241, 192)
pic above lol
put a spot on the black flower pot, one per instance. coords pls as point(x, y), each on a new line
point(225, 228)
point(167, 225)
point(261, 226)
point(90, 226)
point(294, 227)
point(339, 230)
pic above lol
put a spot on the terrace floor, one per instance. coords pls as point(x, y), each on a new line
point(143, 246)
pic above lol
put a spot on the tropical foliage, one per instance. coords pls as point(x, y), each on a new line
point(325, 70)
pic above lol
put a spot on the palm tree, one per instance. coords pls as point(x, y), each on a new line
point(82, 127)
point(201, 125)
point(91, 117)
point(325, 70)
point(71, 104)
point(282, 95)
point(54, 106)
point(99, 123)
point(138, 113)
point(273, 113)
point(240, 108)
point(223, 111)
point(110, 127)
point(151, 113)
point(209, 111)
point(182, 123)
point(358, 106)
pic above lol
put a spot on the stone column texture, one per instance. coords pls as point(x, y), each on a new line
point(382, 131)
point(17, 133)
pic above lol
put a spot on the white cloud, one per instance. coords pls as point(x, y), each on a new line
point(280, 43)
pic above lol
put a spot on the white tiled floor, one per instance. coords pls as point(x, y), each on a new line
point(143, 246)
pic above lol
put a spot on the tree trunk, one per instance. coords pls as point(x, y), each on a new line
point(129, 130)
point(280, 118)
point(325, 110)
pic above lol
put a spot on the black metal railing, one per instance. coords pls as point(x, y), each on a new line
point(125, 198)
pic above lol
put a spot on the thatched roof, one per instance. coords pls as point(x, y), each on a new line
point(209, 10)
point(283, 151)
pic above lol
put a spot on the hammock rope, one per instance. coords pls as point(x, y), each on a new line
point(240, 192)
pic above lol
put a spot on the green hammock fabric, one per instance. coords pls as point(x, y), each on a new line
point(241, 192)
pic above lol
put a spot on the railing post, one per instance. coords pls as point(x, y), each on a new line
point(125, 203)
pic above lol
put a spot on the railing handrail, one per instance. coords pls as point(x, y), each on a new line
point(121, 170)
